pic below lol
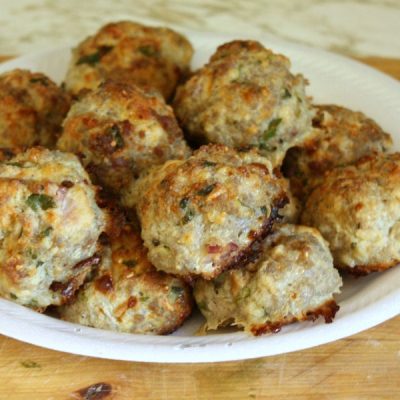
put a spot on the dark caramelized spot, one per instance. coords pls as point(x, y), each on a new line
point(104, 284)
point(104, 239)
point(67, 184)
point(132, 301)
point(66, 289)
point(88, 262)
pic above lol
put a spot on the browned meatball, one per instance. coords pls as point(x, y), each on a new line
point(119, 131)
point(292, 280)
point(127, 51)
point(357, 210)
point(340, 137)
point(246, 96)
point(202, 215)
point(128, 294)
point(49, 226)
point(32, 108)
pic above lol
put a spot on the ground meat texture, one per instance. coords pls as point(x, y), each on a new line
point(49, 226)
point(293, 279)
point(32, 108)
point(119, 131)
point(202, 216)
point(357, 210)
point(291, 212)
point(246, 96)
point(129, 295)
point(340, 137)
point(148, 57)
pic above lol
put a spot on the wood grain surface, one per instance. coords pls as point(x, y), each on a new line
point(364, 366)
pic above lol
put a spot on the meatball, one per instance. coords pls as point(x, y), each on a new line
point(203, 215)
point(129, 295)
point(341, 137)
point(119, 131)
point(246, 96)
point(32, 108)
point(149, 57)
point(357, 210)
point(293, 279)
point(49, 226)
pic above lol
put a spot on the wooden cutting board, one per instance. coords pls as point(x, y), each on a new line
point(364, 366)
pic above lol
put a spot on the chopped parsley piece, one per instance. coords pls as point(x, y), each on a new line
point(46, 232)
point(244, 293)
point(15, 164)
point(203, 305)
point(13, 296)
point(188, 216)
point(94, 58)
point(129, 263)
point(177, 291)
point(183, 203)
point(264, 210)
point(272, 128)
point(209, 163)
point(148, 51)
point(206, 190)
point(40, 201)
point(286, 94)
point(31, 254)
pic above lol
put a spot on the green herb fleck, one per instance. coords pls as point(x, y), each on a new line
point(46, 232)
point(15, 164)
point(183, 203)
point(33, 304)
point(286, 94)
point(244, 293)
point(264, 210)
point(353, 245)
point(206, 190)
point(203, 305)
point(42, 80)
point(188, 216)
point(129, 263)
point(13, 296)
point(117, 136)
point(272, 128)
point(94, 58)
point(177, 291)
point(209, 164)
point(148, 51)
point(219, 281)
point(31, 254)
point(30, 364)
point(144, 298)
point(39, 264)
point(40, 201)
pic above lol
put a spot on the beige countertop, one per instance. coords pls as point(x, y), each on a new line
point(353, 27)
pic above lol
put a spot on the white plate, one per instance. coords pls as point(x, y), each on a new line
point(364, 302)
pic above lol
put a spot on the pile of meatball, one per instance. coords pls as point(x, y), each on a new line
point(138, 189)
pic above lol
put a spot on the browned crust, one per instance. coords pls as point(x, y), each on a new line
point(327, 310)
point(366, 269)
point(250, 252)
